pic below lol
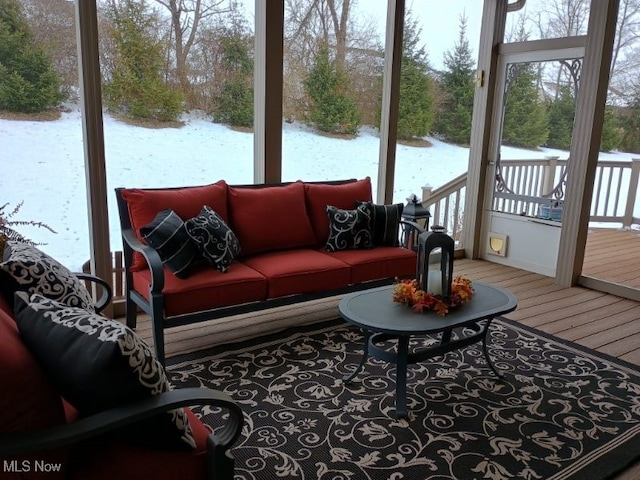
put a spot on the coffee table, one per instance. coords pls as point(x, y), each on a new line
point(381, 320)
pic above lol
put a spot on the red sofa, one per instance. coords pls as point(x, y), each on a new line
point(42, 436)
point(282, 230)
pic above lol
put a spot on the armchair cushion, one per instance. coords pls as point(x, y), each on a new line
point(102, 459)
point(168, 235)
point(28, 400)
point(144, 205)
point(97, 364)
point(26, 268)
point(215, 240)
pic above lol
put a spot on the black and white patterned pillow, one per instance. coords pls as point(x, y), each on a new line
point(349, 229)
point(28, 269)
point(385, 223)
point(168, 235)
point(216, 241)
point(97, 364)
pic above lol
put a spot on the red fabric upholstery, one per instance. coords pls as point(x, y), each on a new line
point(206, 288)
point(102, 460)
point(28, 401)
point(299, 271)
point(343, 196)
point(270, 218)
point(377, 263)
point(187, 202)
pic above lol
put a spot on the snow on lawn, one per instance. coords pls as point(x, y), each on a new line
point(42, 164)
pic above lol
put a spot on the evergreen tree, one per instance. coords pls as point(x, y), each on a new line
point(611, 137)
point(525, 117)
point(136, 87)
point(28, 81)
point(235, 104)
point(561, 113)
point(454, 118)
point(630, 123)
point(415, 111)
point(332, 109)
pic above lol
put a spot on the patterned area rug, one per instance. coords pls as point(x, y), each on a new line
point(563, 412)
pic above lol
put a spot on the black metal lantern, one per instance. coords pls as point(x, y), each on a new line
point(415, 212)
point(434, 271)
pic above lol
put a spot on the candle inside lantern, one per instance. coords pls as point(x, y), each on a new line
point(434, 282)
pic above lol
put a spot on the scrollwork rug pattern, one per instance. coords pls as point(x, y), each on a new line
point(563, 411)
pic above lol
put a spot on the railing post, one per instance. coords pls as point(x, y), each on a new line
point(549, 175)
point(631, 193)
point(427, 191)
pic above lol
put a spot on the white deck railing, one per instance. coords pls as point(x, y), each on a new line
point(527, 184)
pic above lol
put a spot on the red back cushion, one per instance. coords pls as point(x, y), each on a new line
point(28, 401)
point(144, 205)
point(270, 218)
point(344, 196)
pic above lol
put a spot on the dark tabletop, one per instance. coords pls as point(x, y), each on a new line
point(376, 311)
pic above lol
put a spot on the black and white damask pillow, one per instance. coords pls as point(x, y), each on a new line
point(168, 235)
point(349, 229)
point(216, 241)
point(28, 269)
point(385, 223)
point(98, 364)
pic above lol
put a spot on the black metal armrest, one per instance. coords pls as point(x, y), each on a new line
point(107, 293)
point(17, 443)
point(150, 255)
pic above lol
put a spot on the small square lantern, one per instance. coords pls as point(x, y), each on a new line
point(415, 212)
point(436, 277)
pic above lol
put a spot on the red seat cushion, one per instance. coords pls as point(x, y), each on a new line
point(205, 288)
point(377, 263)
point(144, 205)
point(343, 196)
point(28, 401)
point(103, 460)
point(270, 218)
point(299, 271)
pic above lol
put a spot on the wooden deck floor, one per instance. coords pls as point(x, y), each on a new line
point(613, 255)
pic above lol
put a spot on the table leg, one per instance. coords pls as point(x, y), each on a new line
point(498, 373)
point(363, 360)
point(401, 376)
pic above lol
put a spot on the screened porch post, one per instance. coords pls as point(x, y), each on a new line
point(585, 143)
point(93, 140)
point(491, 35)
point(390, 100)
point(268, 79)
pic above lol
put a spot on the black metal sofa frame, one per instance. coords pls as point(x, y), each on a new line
point(154, 307)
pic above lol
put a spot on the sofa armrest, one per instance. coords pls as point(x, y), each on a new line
point(107, 293)
point(150, 255)
point(218, 443)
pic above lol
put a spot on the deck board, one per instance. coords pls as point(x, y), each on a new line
point(613, 255)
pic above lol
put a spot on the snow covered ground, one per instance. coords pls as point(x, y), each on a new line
point(43, 164)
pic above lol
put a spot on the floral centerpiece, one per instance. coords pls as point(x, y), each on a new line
point(409, 293)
